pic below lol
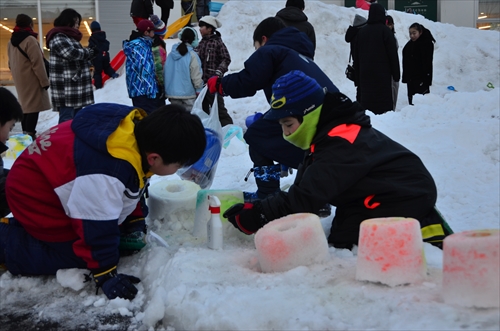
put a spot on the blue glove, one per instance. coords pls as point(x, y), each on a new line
point(246, 217)
point(116, 285)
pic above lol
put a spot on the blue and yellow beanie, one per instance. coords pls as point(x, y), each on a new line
point(294, 94)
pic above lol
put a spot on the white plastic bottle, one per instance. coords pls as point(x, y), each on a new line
point(214, 225)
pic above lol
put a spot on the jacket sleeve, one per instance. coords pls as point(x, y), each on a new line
point(36, 57)
point(223, 55)
point(427, 55)
point(392, 52)
point(196, 72)
point(258, 71)
point(95, 217)
point(63, 47)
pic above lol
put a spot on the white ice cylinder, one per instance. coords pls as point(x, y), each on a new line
point(471, 269)
point(391, 251)
point(173, 202)
point(291, 241)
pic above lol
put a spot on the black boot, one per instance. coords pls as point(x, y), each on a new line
point(267, 179)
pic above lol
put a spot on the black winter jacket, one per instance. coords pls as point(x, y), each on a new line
point(293, 16)
point(358, 169)
point(376, 62)
point(99, 41)
point(141, 8)
point(417, 59)
point(4, 207)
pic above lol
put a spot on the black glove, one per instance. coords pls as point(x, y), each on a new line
point(246, 217)
point(46, 87)
point(116, 285)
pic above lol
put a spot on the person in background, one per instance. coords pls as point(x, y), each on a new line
point(376, 62)
point(70, 79)
point(165, 6)
point(78, 188)
point(278, 50)
point(160, 56)
point(293, 15)
point(183, 74)
point(27, 65)
point(187, 6)
point(364, 4)
point(10, 113)
point(215, 60)
point(202, 9)
point(418, 55)
point(99, 42)
point(142, 85)
point(141, 10)
point(350, 37)
point(347, 163)
point(395, 85)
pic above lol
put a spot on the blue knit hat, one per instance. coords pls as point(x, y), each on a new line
point(294, 94)
point(95, 26)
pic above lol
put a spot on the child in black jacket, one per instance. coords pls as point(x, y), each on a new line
point(418, 54)
point(347, 163)
point(99, 42)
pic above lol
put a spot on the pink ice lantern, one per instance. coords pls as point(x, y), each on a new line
point(391, 251)
point(291, 241)
point(471, 268)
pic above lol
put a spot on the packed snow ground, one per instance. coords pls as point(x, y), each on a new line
point(190, 287)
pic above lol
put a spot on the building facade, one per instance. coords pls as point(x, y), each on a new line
point(114, 17)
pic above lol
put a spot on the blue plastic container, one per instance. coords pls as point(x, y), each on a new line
point(252, 118)
point(215, 6)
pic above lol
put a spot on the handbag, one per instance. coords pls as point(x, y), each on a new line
point(350, 73)
point(202, 172)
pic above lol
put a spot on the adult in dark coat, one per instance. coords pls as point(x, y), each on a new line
point(418, 54)
point(376, 62)
point(280, 50)
point(141, 10)
point(165, 6)
point(350, 36)
point(293, 15)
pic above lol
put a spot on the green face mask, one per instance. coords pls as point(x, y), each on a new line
point(305, 133)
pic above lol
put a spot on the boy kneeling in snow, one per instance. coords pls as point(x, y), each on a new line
point(348, 164)
point(78, 187)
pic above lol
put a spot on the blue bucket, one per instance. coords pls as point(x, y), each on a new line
point(252, 118)
point(215, 6)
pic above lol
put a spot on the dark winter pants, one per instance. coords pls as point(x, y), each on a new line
point(25, 255)
point(165, 13)
point(29, 122)
point(224, 117)
point(147, 104)
point(202, 8)
point(101, 63)
point(416, 88)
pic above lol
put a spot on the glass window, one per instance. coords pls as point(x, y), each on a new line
point(50, 9)
point(488, 15)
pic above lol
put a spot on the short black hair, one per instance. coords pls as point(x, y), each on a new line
point(267, 28)
point(175, 134)
point(67, 18)
point(10, 109)
point(296, 3)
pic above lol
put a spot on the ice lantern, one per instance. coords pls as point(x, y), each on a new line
point(471, 268)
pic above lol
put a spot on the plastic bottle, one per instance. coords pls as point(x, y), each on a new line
point(214, 225)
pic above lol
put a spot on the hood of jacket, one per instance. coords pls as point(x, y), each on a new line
point(174, 53)
point(339, 109)
point(99, 38)
point(292, 38)
point(293, 14)
point(18, 37)
point(376, 15)
point(108, 128)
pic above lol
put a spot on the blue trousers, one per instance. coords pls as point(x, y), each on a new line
point(25, 255)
